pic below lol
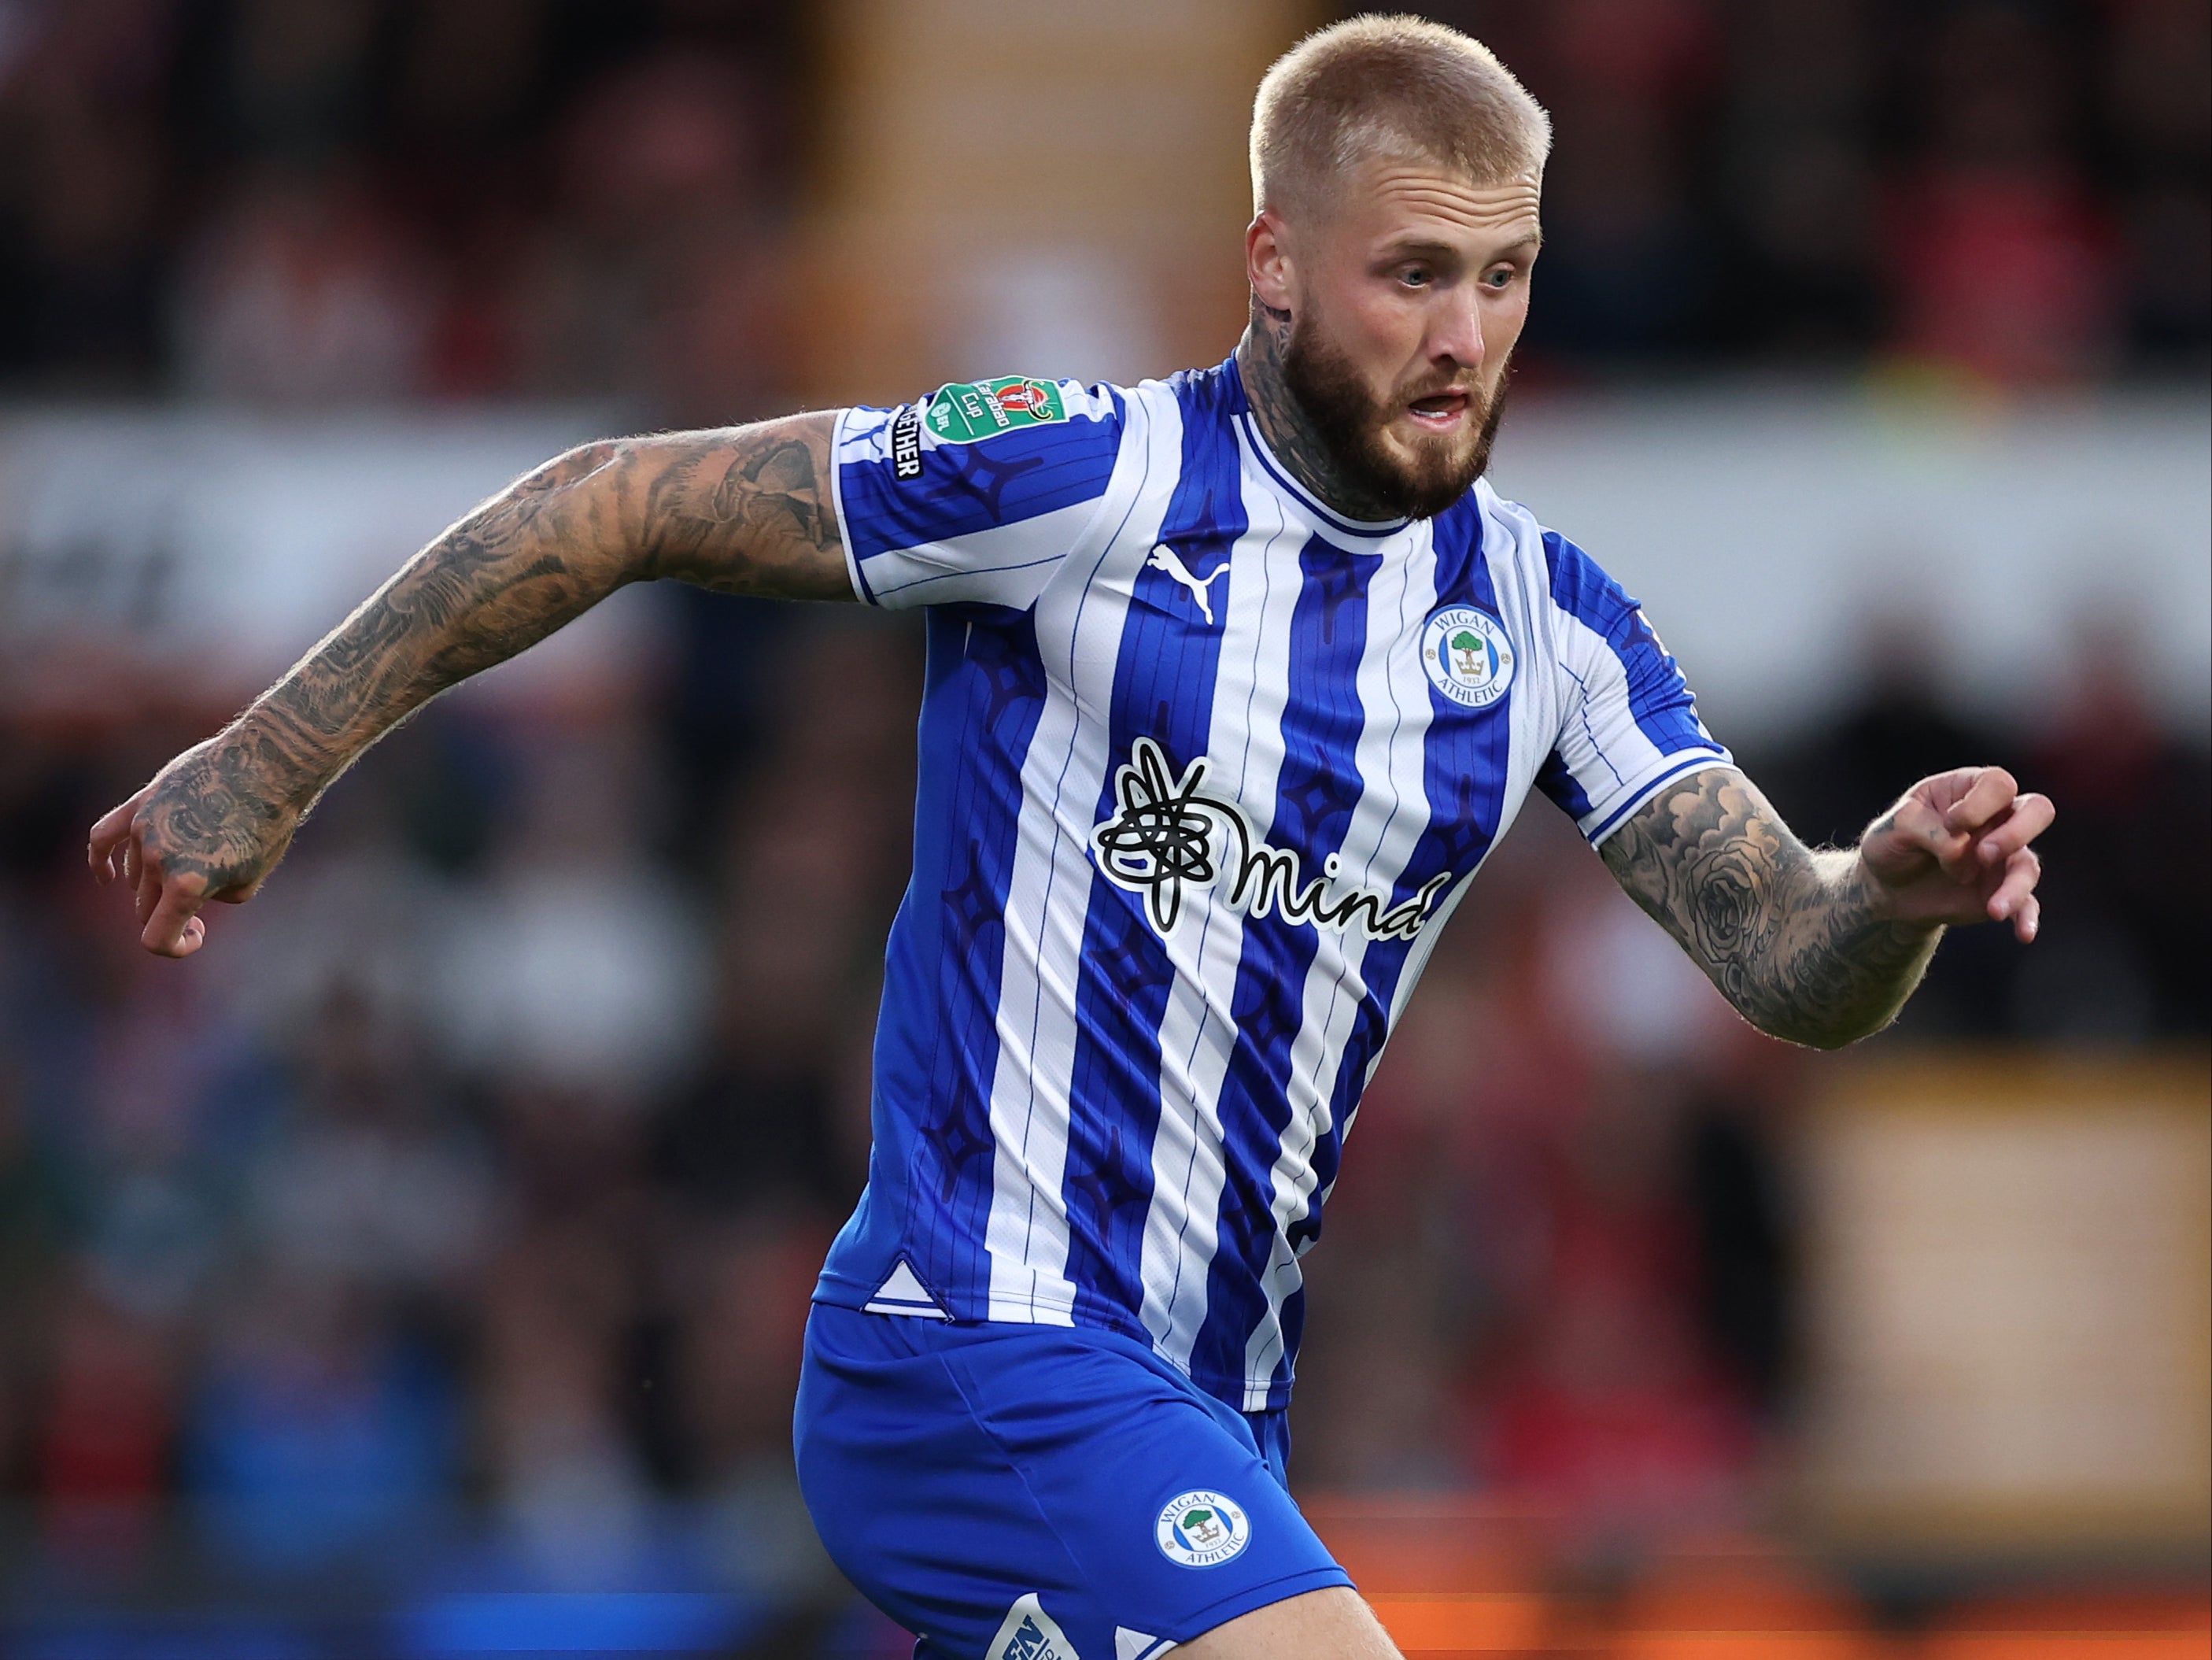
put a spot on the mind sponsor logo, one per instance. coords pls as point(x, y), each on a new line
point(1165, 833)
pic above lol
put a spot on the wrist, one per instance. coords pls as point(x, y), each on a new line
point(1885, 903)
point(285, 767)
point(1872, 891)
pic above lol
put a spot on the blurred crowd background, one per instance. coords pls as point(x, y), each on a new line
point(440, 1240)
point(340, 199)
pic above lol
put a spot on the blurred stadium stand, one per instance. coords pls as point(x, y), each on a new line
point(420, 1272)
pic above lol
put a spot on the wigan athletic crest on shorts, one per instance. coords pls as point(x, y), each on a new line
point(1201, 1527)
point(1468, 656)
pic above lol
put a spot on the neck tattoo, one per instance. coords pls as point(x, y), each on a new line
point(1284, 424)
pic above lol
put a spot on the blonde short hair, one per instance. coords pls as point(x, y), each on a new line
point(1390, 85)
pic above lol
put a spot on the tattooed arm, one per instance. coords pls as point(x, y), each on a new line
point(1824, 948)
point(747, 510)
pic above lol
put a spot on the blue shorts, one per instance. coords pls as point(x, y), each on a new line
point(1042, 1492)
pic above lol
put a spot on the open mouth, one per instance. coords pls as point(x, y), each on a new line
point(1439, 411)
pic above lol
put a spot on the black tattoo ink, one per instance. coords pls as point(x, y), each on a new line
point(1790, 936)
point(745, 509)
point(1284, 423)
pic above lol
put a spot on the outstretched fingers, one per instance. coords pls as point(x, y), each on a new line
point(2031, 815)
point(167, 905)
point(1992, 793)
point(2014, 895)
point(112, 845)
point(1974, 826)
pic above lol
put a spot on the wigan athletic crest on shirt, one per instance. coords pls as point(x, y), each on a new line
point(1468, 656)
point(1202, 1527)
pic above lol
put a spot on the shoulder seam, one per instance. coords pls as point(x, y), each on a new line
point(1082, 545)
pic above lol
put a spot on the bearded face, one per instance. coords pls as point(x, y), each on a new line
point(1413, 475)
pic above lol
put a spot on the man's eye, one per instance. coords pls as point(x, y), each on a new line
point(1418, 276)
point(1500, 278)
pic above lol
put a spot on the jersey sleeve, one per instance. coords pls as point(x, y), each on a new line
point(975, 492)
point(1628, 722)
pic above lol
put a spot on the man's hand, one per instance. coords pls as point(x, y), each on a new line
point(206, 828)
point(1956, 850)
point(1823, 948)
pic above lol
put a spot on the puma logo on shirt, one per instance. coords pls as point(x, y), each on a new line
point(1167, 559)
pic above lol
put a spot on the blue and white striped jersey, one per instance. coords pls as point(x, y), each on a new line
point(1204, 770)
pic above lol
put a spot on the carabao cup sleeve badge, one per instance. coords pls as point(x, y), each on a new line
point(1467, 656)
point(1202, 1527)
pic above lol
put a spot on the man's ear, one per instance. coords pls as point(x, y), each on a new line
point(1267, 261)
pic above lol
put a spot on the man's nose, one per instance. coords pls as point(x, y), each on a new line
point(1455, 331)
